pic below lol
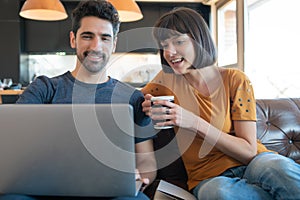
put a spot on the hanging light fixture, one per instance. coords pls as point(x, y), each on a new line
point(128, 10)
point(45, 10)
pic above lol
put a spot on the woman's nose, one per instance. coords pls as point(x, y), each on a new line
point(171, 50)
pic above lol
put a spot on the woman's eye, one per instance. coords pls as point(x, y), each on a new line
point(179, 42)
point(164, 46)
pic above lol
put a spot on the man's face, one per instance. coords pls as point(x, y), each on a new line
point(94, 43)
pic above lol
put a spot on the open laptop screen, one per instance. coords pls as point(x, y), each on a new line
point(67, 150)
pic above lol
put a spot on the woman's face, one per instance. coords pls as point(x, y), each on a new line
point(179, 52)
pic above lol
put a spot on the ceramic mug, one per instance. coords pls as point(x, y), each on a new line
point(166, 98)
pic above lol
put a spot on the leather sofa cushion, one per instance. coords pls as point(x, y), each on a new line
point(278, 125)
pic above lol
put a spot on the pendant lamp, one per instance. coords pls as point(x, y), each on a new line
point(45, 10)
point(128, 10)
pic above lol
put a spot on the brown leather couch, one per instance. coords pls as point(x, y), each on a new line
point(278, 128)
point(278, 125)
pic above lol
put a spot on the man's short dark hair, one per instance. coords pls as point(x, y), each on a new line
point(97, 8)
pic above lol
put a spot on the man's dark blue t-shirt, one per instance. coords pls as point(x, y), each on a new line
point(65, 89)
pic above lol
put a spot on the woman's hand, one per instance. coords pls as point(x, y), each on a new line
point(173, 113)
point(178, 116)
point(147, 104)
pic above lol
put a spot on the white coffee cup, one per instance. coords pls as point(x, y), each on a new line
point(165, 98)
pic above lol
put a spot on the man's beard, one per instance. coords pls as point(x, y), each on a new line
point(93, 66)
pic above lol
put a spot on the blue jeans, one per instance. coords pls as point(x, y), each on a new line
point(140, 196)
point(268, 176)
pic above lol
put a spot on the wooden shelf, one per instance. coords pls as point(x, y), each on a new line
point(9, 92)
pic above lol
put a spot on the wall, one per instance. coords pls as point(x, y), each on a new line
point(52, 36)
point(14, 64)
point(134, 68)
point(9, 40)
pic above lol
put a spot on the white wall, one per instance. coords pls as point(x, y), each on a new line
point(125, 67)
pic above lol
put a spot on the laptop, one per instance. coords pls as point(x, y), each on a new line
point(67, 150)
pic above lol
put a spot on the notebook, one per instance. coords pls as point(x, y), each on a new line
point(67, 150)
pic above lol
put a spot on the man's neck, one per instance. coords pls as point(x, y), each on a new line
point(84, 76)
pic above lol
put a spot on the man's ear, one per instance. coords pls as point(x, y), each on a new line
point(72, 40)
point(115, 44)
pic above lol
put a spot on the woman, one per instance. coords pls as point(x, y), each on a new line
point(214, 115)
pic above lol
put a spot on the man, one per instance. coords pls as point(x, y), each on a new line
point(94, 36)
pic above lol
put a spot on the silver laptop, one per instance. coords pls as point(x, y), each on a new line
point(67, 150)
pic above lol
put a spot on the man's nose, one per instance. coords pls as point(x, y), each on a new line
point(96, 43)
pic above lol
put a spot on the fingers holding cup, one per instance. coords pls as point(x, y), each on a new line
point(160, 112)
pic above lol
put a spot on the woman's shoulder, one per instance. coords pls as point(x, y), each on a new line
point(232, 73)
point(159, 85)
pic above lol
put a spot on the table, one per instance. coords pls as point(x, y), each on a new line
point(9, 92)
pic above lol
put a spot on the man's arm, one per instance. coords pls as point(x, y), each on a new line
point(145, 160)
point(40, 91)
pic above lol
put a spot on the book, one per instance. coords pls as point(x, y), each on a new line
point(168, 191)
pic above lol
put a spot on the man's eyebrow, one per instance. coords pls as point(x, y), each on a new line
point(106, 35)
point(87, 33)
point(91, 33)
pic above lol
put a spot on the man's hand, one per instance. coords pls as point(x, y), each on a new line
point(145, 181)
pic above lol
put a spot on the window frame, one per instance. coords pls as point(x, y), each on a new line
point(240, 10)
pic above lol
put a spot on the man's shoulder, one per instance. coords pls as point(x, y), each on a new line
point(65, 76)
point(124, 87)
point(115, 81)
point(45, 78)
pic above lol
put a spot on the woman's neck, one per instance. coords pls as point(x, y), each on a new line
point(205, 80)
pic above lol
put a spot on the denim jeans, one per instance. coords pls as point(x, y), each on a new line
point(268, 176)
point(140, 196)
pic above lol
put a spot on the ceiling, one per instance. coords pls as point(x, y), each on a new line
point(184, 1)
point(170, 1)
point(207, 2)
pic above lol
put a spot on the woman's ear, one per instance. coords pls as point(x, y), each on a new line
point(72, 40)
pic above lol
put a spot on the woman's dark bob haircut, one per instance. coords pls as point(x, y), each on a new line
point(184, 20)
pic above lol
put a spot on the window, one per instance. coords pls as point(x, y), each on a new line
point(272, 42)
point(226, 33)
point(267, 42)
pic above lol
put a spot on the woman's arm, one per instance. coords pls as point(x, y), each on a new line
point(242, 146)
